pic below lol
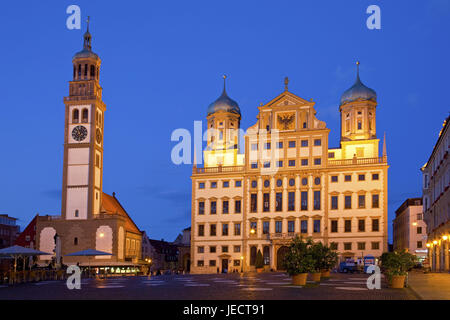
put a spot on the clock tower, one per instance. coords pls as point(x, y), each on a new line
point(83, 138)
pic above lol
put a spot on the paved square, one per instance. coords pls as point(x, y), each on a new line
point(262, 286)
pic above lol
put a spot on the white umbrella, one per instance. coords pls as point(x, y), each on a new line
point(89, 253)
point(18, 251)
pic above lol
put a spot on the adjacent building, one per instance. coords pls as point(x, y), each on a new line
point(288, 182)
point(27, 238)
point(183, 242)
point(164, 256)
point(9, 231)
point(90, 218)
point(410, 230)
point(436, 201)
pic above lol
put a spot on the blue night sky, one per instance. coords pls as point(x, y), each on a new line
point(161, 67)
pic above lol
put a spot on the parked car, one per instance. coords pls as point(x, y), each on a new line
point(348, 267)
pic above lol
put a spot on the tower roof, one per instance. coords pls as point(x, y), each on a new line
point(224, 103)
point(87, 46)
point(358, 91)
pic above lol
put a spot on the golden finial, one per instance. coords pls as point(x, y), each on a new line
point(286, 83)
point(88, 20)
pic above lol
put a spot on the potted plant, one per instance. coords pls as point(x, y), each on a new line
point(318, 254)
point(259, 263)
point(397, 264)
point(299, 261)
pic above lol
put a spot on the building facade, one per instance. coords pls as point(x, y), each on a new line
point(9, 231)
point(27, 238)
point(436, 201)
point(164, 256)
point(288, 182)
point(410, 230)
point(183, 243)
point(90, 218)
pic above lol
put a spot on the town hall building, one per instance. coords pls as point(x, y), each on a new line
point(288, 182)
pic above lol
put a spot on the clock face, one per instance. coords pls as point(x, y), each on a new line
point(98, 136)
point(79, 133)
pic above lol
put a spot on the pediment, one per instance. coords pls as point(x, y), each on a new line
point(286, 99)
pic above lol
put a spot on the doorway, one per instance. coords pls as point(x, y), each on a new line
point(224, 265)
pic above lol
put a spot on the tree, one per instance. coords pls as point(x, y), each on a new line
point(259, 263)
point(299, 258)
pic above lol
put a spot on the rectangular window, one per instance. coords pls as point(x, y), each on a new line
point(279, 164)
point(236, 262)
point(316, 226)
point(253, 226)
point(334, 226)
point(267, 164)
point(375, 225)
point(304, 143)
point(278, 226)
point(267, 146)
point(237, 229)
point(237, 206)
point(333, 246)
point(347, 246)
point(291, 226)
point(213, 207)
point(279, 201)
point(200, 249)
point(317, 161)
point(375, 201)
point(238, 183)
point(375, 245)
point(419, 230)
point(334, 178)
point(361, 177)
point(375, 176)
point(213, 185)
point(226, 184)
point(280, 145)
point(201, 230)
point(291, 144)
point(347, 178)
point(254, 165)
point(291, 163)
point(200, 263)
point(212, 263)
point(253, 202)
point(348, 226)
point(361, 201)
point(266, 202)
point(304, 226)
point(348, 202)
point(225, 209)
point(291, 201)
point(201, 208)
point(225, 229)
point(316, 200)
point(361, 225)
point(331, 155)
point(254, 146)
point(419, 244)
point(225, 249)
point(237, 248)
point(212, 230)
point(361, 246)
point(317, 142)
point(212, 249)
point(334, 202)
point(266, 226)
point(304, 200)
point(201, 185)
point(304, 162)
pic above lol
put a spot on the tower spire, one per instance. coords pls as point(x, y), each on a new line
point(286, 83)
point(357, 71)
point(224, 83)
point(384, 145)
point(87, 37)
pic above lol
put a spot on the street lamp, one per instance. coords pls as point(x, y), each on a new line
point(242, 263)
point(444, 238)
point(252, 231)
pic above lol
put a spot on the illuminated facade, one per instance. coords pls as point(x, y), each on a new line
point(90, 219)
point(288, 182)
point(436, 201)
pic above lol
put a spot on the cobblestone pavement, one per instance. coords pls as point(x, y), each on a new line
point(277, 286)
point(430, 286)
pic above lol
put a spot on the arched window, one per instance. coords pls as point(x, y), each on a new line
point(85, 70)
point(85, 115)
point(75, 241)
point(75, 116)
point(79, 70)
point(74, 71)
point(252, 255)
point(76, 213)
point(92, 71)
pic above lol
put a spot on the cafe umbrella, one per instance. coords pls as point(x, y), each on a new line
point(20, 252)
point(88, 253)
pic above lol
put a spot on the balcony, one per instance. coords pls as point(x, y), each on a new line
point(219, 169)
point(357, 161)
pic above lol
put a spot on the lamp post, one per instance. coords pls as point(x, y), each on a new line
point(149, 263)
point(242, 264)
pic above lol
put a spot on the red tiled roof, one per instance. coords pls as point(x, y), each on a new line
point(110, 205)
